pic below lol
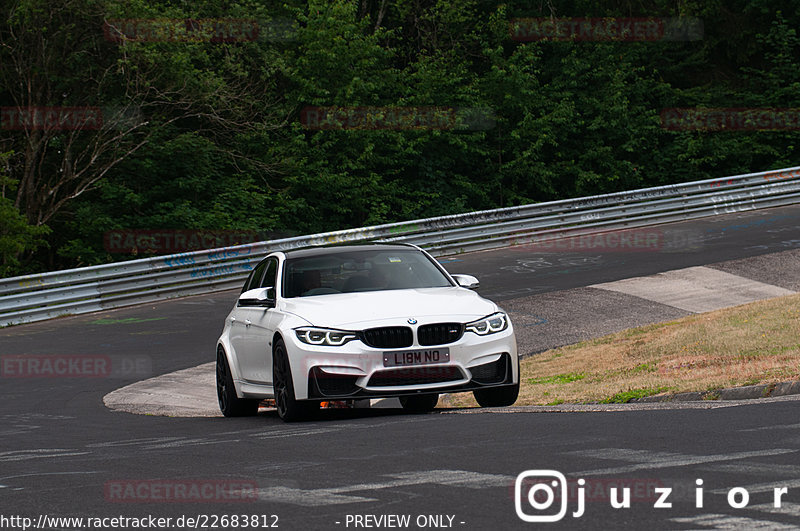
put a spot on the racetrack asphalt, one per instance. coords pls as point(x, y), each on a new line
point(63, 453)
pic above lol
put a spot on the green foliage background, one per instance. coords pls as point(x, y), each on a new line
point(570, 118)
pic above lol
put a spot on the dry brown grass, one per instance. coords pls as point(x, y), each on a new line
point(744, 345)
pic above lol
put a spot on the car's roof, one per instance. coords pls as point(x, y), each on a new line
point(338, 249)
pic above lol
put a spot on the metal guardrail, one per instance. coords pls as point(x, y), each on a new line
point(88, 289)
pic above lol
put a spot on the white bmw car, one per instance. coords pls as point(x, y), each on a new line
point(353, 322)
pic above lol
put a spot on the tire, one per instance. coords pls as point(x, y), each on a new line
point(497, 396)
point(230, 404)
point(419, 403)
point(289, 408)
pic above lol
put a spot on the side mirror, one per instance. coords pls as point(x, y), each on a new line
point(466, 281)
point(264, 297)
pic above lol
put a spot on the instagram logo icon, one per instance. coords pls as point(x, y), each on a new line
point(536, 492)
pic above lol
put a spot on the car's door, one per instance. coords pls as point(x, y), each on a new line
point(240, 316)
point(255, 358)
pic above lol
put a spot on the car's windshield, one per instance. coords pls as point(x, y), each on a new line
point(363, 270)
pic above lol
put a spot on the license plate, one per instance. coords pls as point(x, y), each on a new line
point(416, 357)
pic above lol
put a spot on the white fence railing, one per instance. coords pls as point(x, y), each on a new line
point(88, 289)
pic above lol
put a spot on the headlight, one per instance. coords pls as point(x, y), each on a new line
point(324, 336)
point(496, 322)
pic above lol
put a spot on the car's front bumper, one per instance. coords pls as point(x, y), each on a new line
point(356, 370)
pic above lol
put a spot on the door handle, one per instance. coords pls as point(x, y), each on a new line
point(233, 319)
point(247, 322)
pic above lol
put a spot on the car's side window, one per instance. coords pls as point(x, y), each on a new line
point(270, 278)
point(248, 281)
point(254, 280)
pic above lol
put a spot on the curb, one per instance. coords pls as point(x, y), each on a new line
point(734, 393)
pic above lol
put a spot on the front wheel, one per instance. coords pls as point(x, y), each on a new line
point(289, 408)
point(497, 396)
point(419, 403)
point(230, 404)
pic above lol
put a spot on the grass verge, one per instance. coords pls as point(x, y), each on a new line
point(757, 343)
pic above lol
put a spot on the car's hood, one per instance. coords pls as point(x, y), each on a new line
point(381, 308)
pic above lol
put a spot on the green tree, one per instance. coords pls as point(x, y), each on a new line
point(17, 237)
